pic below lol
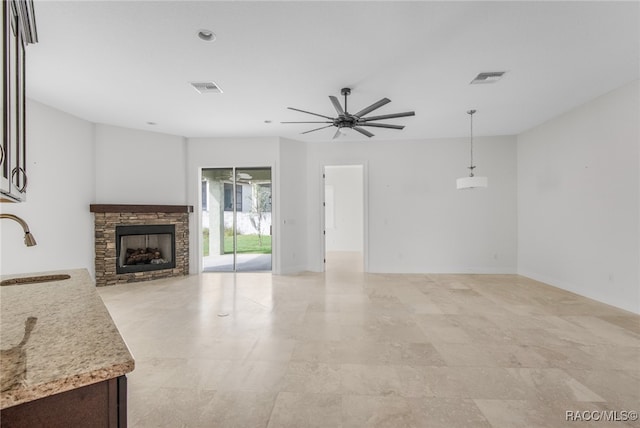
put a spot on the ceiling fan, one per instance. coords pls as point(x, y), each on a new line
point(354, 121)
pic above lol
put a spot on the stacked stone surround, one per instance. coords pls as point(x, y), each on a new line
point(107, 217)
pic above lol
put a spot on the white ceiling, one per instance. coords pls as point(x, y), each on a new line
point(129, 63)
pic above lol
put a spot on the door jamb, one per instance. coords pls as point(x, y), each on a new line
point(365, 212)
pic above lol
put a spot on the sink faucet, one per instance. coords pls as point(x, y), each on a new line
point(29, 240)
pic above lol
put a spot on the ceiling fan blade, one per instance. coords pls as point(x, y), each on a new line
point(317, 129)
point(382, 125)
point(319, 121)
point(336, 104)
point(337, 134)
point(372, 107)
point(363, 131)
point(308, 112)
point(388, 116)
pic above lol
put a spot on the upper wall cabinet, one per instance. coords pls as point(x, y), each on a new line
point(18, 30)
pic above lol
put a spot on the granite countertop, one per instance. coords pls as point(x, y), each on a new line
point(72, 342)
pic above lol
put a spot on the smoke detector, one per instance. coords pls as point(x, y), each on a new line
point(206, 87)
point(488, 77)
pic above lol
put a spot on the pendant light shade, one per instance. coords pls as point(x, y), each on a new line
point(471, 182)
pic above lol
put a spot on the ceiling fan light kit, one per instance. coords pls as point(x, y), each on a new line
point(354, 121)
point(471, 182)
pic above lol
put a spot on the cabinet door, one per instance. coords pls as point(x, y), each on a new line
point(5, 148)
point(14, 176)
point(19, 164)
point(99, 405)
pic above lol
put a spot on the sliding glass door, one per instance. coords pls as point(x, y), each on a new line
point(236, 219)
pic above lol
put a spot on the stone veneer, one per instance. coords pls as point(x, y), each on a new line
point(107, 217)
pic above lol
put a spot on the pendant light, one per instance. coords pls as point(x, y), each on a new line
point(471, 181)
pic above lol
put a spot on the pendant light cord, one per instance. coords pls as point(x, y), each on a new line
point(471, 167)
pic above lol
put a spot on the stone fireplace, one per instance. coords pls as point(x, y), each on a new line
point(140, 242)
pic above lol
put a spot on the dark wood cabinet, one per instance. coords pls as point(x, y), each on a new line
point(100, 405)
point(19, 30)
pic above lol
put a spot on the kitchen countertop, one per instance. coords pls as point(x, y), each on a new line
point(73, 342)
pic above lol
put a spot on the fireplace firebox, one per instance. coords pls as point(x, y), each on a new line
point(141, 248)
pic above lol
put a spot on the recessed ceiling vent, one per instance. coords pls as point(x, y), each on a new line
point(488, 77)
point(206, 87)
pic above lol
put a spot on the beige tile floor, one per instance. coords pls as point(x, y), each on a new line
point(348, 349)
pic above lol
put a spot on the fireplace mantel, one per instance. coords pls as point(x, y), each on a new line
point(118, 208)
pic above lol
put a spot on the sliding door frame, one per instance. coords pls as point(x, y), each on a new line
point(275, 238)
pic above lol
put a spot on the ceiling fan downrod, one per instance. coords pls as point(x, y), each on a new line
point(345, 92)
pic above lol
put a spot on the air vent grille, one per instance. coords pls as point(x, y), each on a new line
point(206, 87)
point(488, 77)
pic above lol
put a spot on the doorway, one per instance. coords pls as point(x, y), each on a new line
point(344, 218)
point(236, 219)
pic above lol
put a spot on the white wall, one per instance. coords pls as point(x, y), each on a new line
point(292, 205)
point(225, 153)
point(60, 164)
point(139, 167)
point(417, 220)
point(574, 223)
point(287, 158)
point(578, 200)
point(344, 222)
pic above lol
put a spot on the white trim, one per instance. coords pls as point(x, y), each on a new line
point(573, 288)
